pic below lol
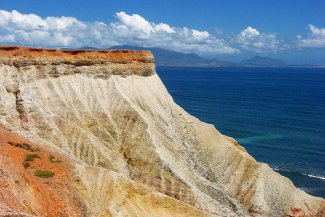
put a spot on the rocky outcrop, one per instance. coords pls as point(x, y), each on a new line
point(130, 144)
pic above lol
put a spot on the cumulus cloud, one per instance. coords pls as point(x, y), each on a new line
point(164, 27)
point(315, 39)
point(252, 39)
point(134, 22)
point(32, 30)
point(200, 35)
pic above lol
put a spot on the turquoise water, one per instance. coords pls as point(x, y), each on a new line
point(277, 114)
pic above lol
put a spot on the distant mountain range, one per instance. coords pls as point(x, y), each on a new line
point(172, 58)
point(166, 57)
point(264, 62)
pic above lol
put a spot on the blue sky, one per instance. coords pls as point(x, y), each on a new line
point(293, 30)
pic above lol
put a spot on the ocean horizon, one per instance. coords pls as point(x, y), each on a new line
point(277, 114)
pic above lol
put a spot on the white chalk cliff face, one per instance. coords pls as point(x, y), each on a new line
point(137, 152)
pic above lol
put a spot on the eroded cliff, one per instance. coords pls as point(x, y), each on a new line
point(134, 151)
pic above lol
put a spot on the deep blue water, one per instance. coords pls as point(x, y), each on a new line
point(277, 114)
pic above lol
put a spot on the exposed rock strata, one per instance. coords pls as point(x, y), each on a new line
point(111, 114)
point(75, 190)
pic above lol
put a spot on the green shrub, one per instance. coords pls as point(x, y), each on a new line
point(25, 146)
point(31, 157)
point(53, 160)
point(26, 164)
point(44, 173)
point(34, 149)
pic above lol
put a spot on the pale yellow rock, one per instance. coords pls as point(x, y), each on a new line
point(114, 195)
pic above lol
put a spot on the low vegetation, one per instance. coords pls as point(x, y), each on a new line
point(52, 159)
point(44, 173)
point(26, 164)
point(31, 157)
point(24, 146)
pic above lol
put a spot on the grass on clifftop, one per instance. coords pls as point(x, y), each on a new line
point(44, 173)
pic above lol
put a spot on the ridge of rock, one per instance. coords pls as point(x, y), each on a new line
point(118, 61)
point(72, 56)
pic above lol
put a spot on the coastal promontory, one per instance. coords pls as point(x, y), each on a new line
point(96, 133)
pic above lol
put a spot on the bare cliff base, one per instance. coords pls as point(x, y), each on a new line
point(124, 147)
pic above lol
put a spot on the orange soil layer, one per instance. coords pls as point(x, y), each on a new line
point(67, 56)
point(22, 192)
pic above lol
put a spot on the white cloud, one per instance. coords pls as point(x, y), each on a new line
point(200, 35)
point(316, 38)
point(249, 32)
point(7, 38)
point(20, 21)
point(134, 22)
point(61, 23)
point(32, 30)
point(252, 39)
point(164, 27)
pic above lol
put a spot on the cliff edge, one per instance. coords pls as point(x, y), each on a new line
point(128, 148)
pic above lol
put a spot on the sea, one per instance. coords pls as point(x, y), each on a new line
point(277, 114)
